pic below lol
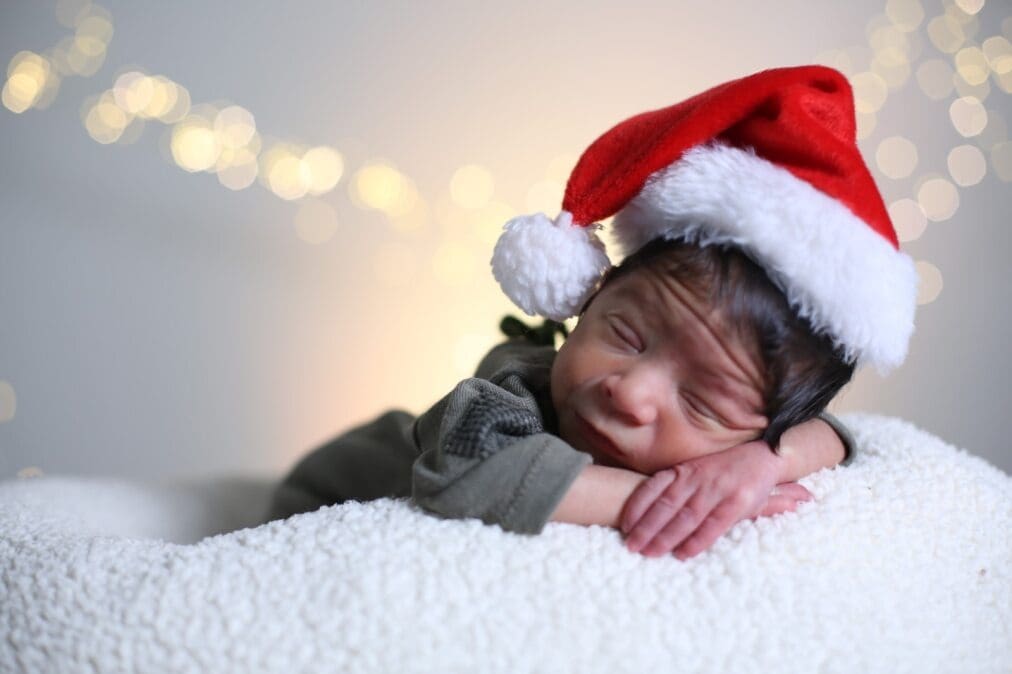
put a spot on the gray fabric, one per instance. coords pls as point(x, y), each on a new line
point(488, 449)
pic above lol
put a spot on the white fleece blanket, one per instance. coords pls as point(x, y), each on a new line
point(901, 564)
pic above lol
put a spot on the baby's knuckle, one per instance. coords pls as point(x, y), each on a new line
point(685, 470)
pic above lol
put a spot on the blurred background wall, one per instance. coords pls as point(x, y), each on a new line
point(230, 230)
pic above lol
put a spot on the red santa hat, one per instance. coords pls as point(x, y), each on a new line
point(768, 163)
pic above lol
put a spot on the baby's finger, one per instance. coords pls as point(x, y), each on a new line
point(670, 505)
point(776, 505)
point(681, 523)
point(642, 498)
point(794, 490)
point(722, 518)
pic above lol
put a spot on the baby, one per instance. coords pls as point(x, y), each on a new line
point(760, 269)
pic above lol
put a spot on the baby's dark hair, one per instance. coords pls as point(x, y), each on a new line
point(802, 369)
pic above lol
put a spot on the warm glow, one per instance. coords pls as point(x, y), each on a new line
point(453, 263)
point(315, 221)
point(908, 219)
point(545, 197)
point(560, 168)
point(395, 264)
point(489, 222)
point(471, 186)
point(195, 146)
point(468, 350)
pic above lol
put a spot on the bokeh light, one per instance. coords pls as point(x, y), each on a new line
point(315, 221)
point(27, 76)
point(8, 401)
point(415, 220)
point(377, 185)
point(929, 284)
point(325, 168)
point(939, 199)
point(946, 34)
point(934, 77)
point(471, 186)
point(195, 146)
point(970, 6)
point(234, 127)
point(866, 123)
point(972, 65)
point(908, 218)
point(996, 131)
point(906, 15)
point(968, 115)
point(237, 169)
point(1001, 161)
point(870, 92)
point(967, 165)
point(103, 119)
point(896, 157)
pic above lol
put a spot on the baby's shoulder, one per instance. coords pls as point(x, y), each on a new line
point(516, 356)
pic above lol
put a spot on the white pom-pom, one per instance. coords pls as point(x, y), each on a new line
point(548, 268)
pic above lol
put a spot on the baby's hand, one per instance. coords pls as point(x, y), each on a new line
point(689, 506)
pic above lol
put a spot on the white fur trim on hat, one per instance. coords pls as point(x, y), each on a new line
point(548, 268)
point(843, 277)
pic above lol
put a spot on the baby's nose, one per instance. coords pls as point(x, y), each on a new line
point(631, 398)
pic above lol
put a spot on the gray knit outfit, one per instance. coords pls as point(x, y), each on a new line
point(489, 449)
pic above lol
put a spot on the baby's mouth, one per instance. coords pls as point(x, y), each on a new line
point(598, 441)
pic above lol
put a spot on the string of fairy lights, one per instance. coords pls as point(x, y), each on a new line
point(955, 62)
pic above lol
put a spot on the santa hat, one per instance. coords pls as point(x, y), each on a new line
point(768, 163)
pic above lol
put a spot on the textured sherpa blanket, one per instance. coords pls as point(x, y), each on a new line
point(900, 564)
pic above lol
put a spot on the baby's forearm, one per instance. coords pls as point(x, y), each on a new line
point(597, 496)
point(807, 448)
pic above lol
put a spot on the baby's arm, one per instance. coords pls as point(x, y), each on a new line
point(600, 493)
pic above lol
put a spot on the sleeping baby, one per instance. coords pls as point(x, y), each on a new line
point(760, 269)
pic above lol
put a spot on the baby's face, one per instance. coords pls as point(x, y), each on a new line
point(650, 377)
